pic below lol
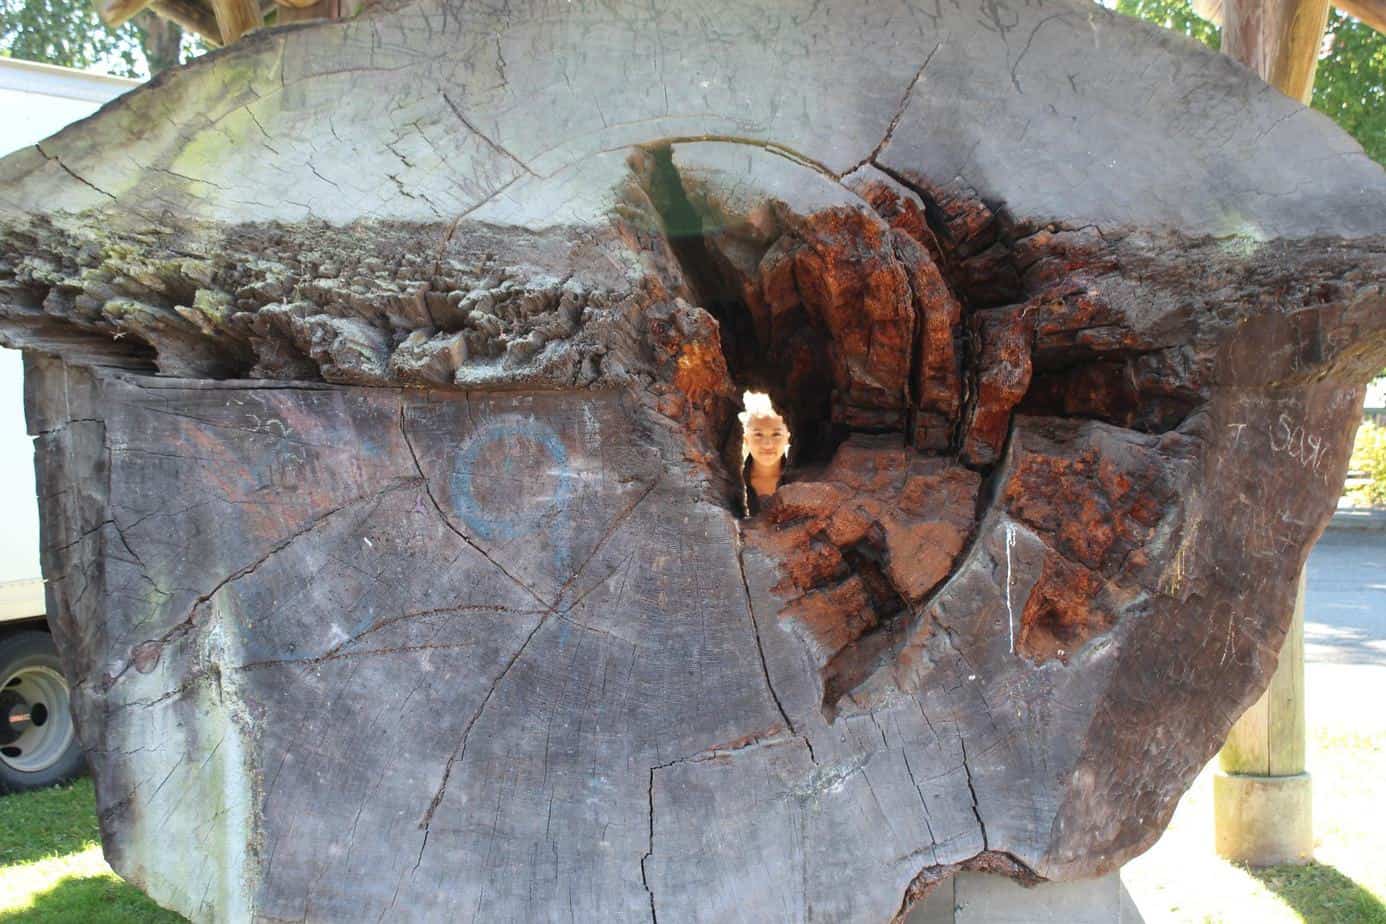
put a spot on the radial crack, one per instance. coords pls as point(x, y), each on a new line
point(70, 172)
point(933, 841)
point(187, 624)
point(447, 521)
point(460, 752)
point(899, 114)
point(644, 878)
point(494, 145)
point(611, 530)
point(976, 810)
point(760, 649)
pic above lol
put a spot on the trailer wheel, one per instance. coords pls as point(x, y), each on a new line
point(38, 744)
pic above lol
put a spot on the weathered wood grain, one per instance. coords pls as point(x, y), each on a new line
point(384, 389)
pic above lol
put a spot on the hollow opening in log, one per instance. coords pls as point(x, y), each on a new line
point(837, 307)
point(765, 447)
point(789, 359)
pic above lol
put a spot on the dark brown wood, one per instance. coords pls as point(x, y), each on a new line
point(389, 484)
point(192, 16)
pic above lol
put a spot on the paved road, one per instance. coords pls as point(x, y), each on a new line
point(1345, 606)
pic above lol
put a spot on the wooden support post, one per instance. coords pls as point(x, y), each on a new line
point(1261, 793)
point(236, 17)
point(114, 13)
point(1278, 39)
point(191, 17)
point(301, 11)
point(1371, 12)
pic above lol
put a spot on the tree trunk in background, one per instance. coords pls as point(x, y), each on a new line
point(383, 374)
point(161, 39)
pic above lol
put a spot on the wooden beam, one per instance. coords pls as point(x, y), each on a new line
point(1268, 740)
point(1371, 12)
point(1262, 798)
point(191, 17)
point(1210, 10)
point(1278, 39)
point(114, 13)
point(236, 17)
point(300, 11)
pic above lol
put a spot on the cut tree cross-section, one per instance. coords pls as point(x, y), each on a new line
point(385, 377)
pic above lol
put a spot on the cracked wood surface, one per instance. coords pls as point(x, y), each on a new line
point(384, 385)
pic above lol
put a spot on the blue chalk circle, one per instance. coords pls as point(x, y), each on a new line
point(509, 432)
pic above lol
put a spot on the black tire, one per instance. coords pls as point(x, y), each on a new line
point(38, 748)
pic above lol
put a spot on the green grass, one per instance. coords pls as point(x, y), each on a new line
point(51, 868)
point(1181, 880)
point(1321, 895)
point(47, 823)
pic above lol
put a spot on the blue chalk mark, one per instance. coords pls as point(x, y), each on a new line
point(486, 524)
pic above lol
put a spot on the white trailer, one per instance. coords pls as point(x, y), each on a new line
point(37, 744)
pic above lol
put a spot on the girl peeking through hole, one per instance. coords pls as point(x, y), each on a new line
point(764, 449)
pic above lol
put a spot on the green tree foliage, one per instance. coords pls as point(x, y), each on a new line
point(68, 33)
point(1173, 14)
point(1369, 458)
point(1350, 85)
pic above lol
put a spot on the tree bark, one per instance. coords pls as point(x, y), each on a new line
point(162, 41)
point(385, 392)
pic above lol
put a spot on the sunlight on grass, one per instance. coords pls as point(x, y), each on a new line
point(47, 823)
point(20, 884)
point(1323, 895)
point(1182, 881)
point(78, 887)
point(51, 867)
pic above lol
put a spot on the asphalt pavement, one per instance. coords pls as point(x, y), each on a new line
point(1345, 603)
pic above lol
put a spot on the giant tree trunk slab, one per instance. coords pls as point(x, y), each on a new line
point(385, 373)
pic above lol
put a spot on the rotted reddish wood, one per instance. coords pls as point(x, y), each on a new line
point(1003, 375)
point(848, 281)
point(861, 543)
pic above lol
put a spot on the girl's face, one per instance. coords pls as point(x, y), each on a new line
point(767, 438)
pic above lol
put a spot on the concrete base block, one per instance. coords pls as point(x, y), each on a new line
point(980, 898)
point(1263, 820)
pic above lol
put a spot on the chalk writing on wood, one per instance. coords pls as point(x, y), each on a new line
point(1295, 441)
point(486, 473)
